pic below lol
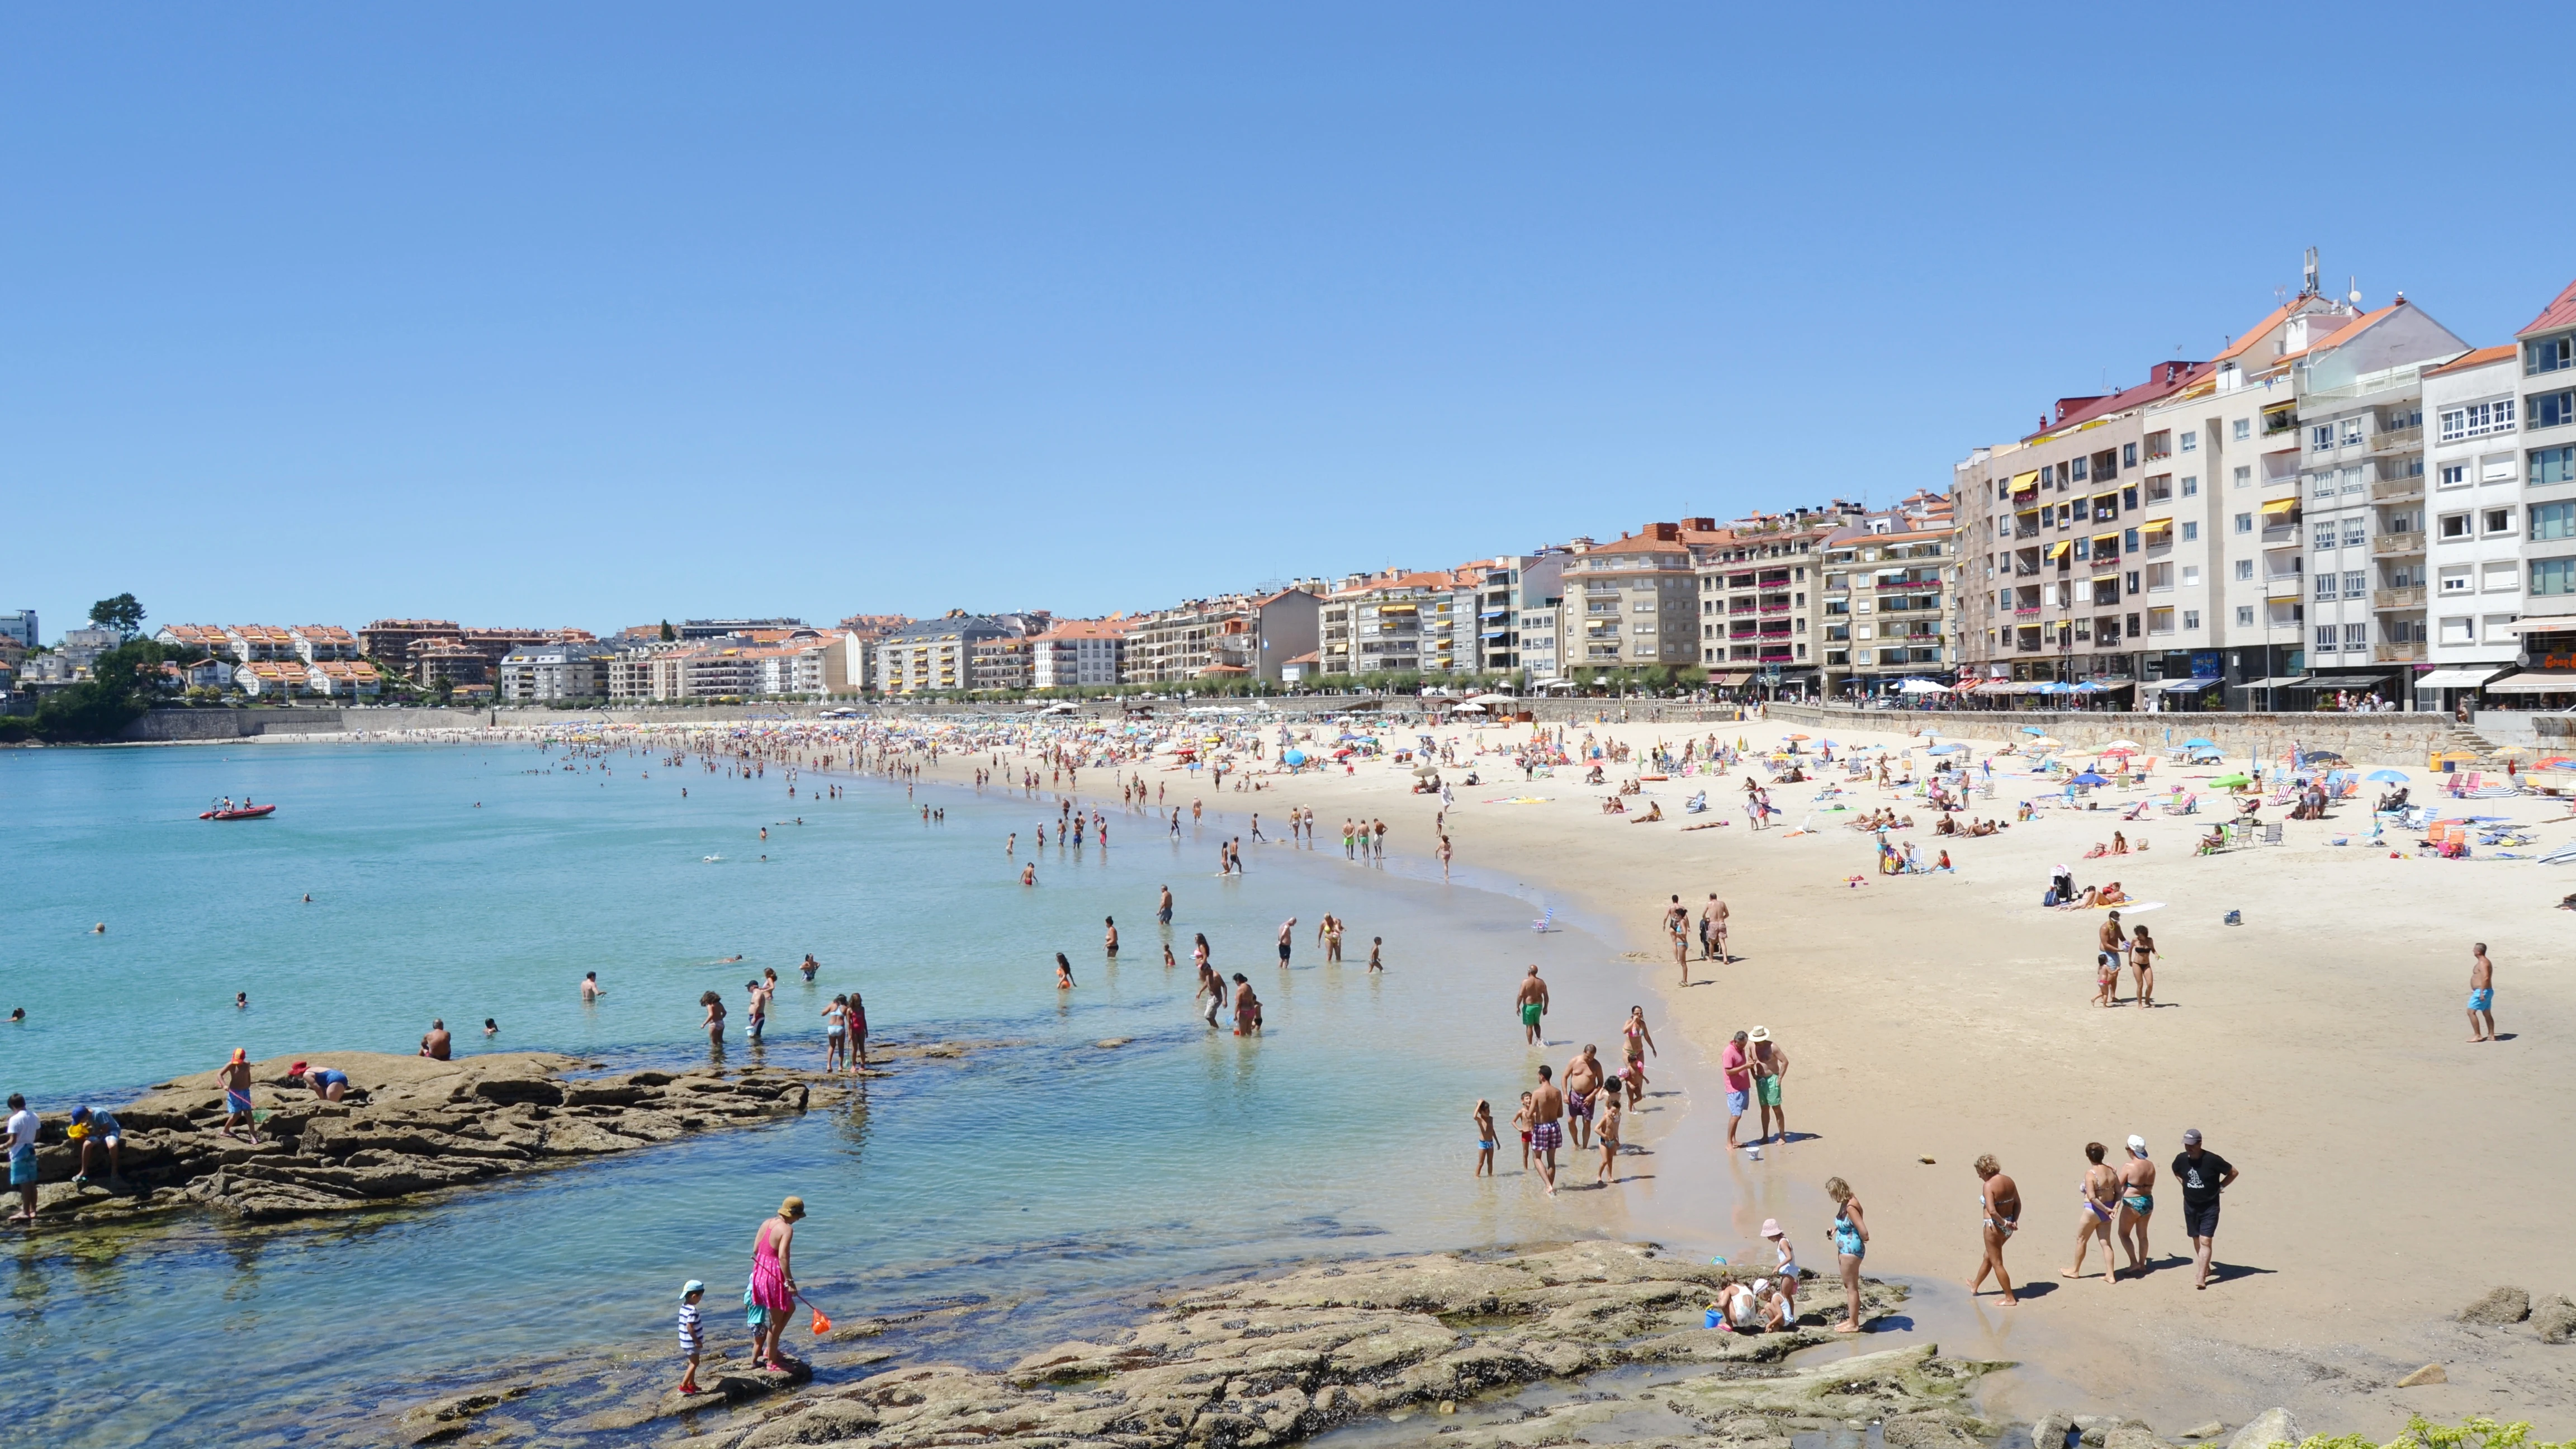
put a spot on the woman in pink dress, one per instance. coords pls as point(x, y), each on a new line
point(773, 1285)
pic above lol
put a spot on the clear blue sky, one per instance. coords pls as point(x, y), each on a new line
point(597, 314)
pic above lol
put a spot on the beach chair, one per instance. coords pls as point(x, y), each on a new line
point(2272, 833)
point(1546, 921)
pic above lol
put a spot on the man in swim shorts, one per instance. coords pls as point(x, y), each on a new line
point(1532, 1003)
point(21, 1141)
point(1547, 1104)
point(236, 1075)
point(1582, 1081)
point(2481, 994)
point(1739, 1084)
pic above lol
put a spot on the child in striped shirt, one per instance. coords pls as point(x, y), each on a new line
point(693, 1336)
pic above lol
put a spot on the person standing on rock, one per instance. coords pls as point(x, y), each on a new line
point(773, 1286)
point(1547, 1104)
point(1851, 1244)
point(1532, 1004)
point(435, 1043)
point(2000, 1202)
point(22, 1131)
point(836, 1032)
point(2203, 1176)
point(858, 1032)
point(236, 1075)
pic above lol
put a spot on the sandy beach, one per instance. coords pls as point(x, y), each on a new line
point(2392, 1171)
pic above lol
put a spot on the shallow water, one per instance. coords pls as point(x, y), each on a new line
point(1034, 1172)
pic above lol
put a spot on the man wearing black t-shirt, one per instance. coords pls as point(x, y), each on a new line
point(2202, 1175)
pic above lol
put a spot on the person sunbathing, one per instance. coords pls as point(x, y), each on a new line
point(1947, 826)
point(1614, 806)
point(2090, 897)
point(1654, 812)
point(2216, 838)
point(2111, 895)
point(2098, 851)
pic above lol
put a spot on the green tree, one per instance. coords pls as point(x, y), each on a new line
point(126, 681)
point(122, 613)
point(669, 634)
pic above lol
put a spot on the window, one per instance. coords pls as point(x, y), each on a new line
point(2553, 576)
point(2455, 475)
point(2356, 531)
point(2497, 520)
point(2244, 612)
point(2244, 477)
point(2329, 638)
point(2245, 523)
point(2351, 432)
point(2244, 569)
point(2459, 631)
point(2326, 585)
point(2477, 420)
point(2553, 465)
point(2191, 487)
point(2455, 581)
point(2244, 430)
point(2190, 529)
point(2354, 480)
point(2191, 618)
point(2502, 577)
point(2191, 576)
point(2159, 578)
point(2321, 438)
point(2553, 520)
point(2355, 584)
point(2191, 442)
point(2128, 455)
point(2075, 470)
point(2553, 409)
point(2081, 504)
point(2321, 485)
point(2549, 354)
point(2356, 636)
point(2455, 525)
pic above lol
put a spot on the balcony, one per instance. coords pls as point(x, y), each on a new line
point(2389, 488)
point(2026, 611)
point(2029, 645)
point(2397, 653)
point(2397, 545)
point(2406, 598)
point(2398, 440)
point(2025, 533)
point(2285, 586)
point(2105, 560)
point(1774, 608)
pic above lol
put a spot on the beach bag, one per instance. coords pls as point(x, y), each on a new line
point(2050, 898)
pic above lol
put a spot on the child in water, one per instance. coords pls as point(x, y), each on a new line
point(1484, 1139)
point(1063, 973)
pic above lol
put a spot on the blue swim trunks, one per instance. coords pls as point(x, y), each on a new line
point(22, 1166)
point(1735, 1103)
point(2482, 999)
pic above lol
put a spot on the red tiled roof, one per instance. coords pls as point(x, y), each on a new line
point(2467, 360)
point(2168, 378)
point(2561, 313)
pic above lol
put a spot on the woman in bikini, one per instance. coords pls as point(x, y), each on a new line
point(1638, 1041)
point(1851, 1244)
point(2142, 960)
point(2137, 1203)
point(1999, 1200)
point(2098, 1193)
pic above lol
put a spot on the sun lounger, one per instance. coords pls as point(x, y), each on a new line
point(2272, 833)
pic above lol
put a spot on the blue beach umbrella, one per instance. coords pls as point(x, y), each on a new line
point(2198, 745)
point(2390, 777)
point(2032, 730)
point(1953, 749)
point(2089, 778)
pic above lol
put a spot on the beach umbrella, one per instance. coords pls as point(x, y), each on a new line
point(2089, 778)
point(2198, 745)
point(1949, 749)
point(2500, 749)
point(1292, 757)
point(2229, 782)
point(2045, 740)
point(2123, 745)
point(2034, 730)
point(1801, 737)
point(2321, 755)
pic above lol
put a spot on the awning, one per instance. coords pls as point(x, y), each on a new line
point(2280, 505)
point(2278, 681)
point(2178, 686)
point(2024, 480)
point(2340, 681)
point(2555, 624)
point(2058, 549)
point(2535, 681)
point(2469, 678)
point(1731, 678)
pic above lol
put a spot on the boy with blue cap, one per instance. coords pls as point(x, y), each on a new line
point(693, 1335)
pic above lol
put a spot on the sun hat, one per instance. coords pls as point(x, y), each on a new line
point(241, 1054)
point(791, 1208)
point(1759, 1033)
point(297, 1070)
point(694, 1285)
point(1771, 1227)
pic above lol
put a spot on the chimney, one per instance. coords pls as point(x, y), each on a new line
point(1664, 532)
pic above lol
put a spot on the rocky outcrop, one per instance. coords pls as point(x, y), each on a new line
point(2555, 1317)
point(408, 1126)
point(2272, 1426)
point(2500, 1306)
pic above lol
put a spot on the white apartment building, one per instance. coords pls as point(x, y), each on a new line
point(554, 673)
point(2473, 495)
point(1536, 628)
point(1079, 653)
point(2548, 421)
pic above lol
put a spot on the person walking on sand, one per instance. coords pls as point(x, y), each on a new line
point(1532, 1004)
point(236, 1075)
point(2481, 994)
point(1769, 1066)
point(773, 1286)
point(2098, 1196)
point(1733, 1063)
point(1712, 931)
point(2142, 964)
point(1677, 930)
point(2203, 1176)
point(2113, 948)
point(2000, 1202)
point(1547, 1104)
point(2137, 1204)
point(1851, 1244)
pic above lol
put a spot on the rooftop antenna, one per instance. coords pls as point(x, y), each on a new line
point(2310, 271)
point(2354, 295)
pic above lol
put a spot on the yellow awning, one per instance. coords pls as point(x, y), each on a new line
point(2024, 480)
point(2280, 505)
point(2106, 538)
point(2058, 549)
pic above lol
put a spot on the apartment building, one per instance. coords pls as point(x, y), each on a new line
point(343, 678)
point(2471, 592)
point(2548, 420)
point(1632, 603)
point(734, 628)
point(1374, 623)
point(19, 625)
point(555, 673)
point(935, 655)
point(1888, 582)
point(314, 643)
point(433, 663)
point(2360, 396)
point(1080, 654)
point(1536, 638)
point(1760, 597)
point(390, 640)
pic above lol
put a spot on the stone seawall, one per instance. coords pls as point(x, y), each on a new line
point(170, 726)
point(2376, 739)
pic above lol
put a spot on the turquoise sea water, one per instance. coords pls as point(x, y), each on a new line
point(470, 882)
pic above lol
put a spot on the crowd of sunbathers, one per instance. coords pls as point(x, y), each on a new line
point(1950, 826)
point(1883, 819)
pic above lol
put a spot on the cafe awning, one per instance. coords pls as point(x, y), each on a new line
point(2339, 681)
point(2469, 678)
point(2278, 681)
point(2535, 681)
point(2178, 686)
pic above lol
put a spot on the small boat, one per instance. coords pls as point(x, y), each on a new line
point(244, 812)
